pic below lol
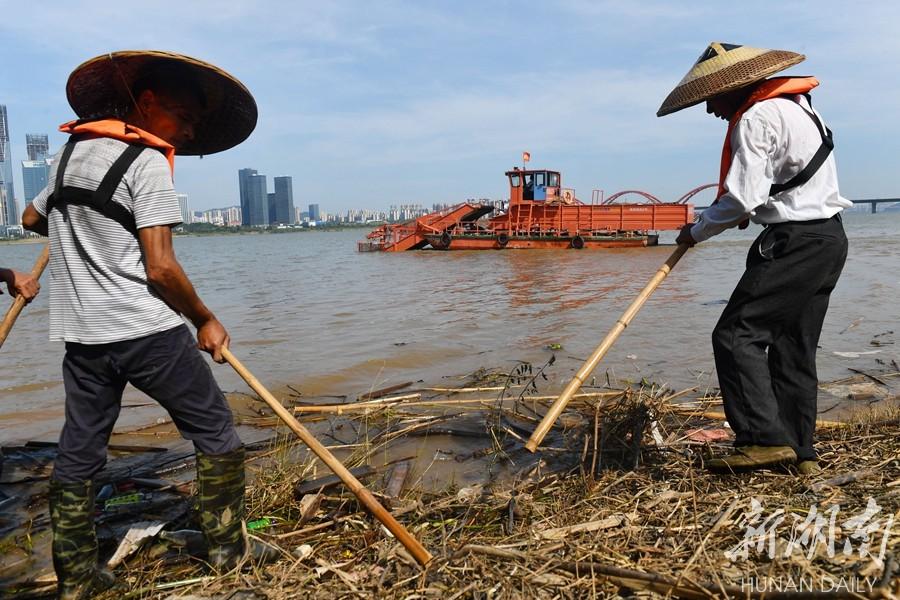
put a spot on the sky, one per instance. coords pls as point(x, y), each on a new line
point(369, 104)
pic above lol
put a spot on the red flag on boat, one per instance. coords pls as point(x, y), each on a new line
point(526, 156)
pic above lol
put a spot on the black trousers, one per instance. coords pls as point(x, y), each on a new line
point(166, 366)
point(765, 341)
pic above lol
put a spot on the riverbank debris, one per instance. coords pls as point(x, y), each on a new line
point(616, 504)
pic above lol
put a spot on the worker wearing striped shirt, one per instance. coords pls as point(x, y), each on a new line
point(118, 295)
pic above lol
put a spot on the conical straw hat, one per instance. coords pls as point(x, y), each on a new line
point(723, 68)
point(101, 88)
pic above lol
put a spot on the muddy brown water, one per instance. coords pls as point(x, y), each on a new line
point(306, 310)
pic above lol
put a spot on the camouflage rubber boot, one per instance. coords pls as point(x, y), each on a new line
point(75, 541)
point(220, 480)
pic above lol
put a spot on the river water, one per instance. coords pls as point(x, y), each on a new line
point(306, 310)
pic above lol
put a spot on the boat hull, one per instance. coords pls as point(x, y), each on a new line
point(492, 242)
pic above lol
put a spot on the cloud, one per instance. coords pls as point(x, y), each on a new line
point(604, 109)
point(365, 101)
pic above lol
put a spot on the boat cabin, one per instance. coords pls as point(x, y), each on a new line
point(539, 186)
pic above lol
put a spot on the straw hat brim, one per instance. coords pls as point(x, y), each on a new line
point(101, 88)
point(728, 79)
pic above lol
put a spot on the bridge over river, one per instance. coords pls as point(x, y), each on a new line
point(873, 202)
point(876, 201)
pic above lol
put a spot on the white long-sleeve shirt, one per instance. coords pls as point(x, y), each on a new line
point(771, 143)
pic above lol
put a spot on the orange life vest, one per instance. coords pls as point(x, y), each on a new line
point(769, 88)
point(120, 130)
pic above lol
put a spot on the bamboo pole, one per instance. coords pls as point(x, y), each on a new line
point(13, 313)
point(392, 402)
point(560, 404)
point(715, 415)
point(418, 551)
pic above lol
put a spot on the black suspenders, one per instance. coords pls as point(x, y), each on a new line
point(101, 198)
point(817, 160)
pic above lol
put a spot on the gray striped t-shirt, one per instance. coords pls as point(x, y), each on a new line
point(98, 283)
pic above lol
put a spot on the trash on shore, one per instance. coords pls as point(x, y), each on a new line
point(855, 354)
point(616, 503)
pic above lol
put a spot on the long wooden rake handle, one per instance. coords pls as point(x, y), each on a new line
point(365, 496)
point(19, 303)
point(560, 403)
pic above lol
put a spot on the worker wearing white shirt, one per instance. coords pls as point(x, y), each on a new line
point(777, 170)
point(772, 142)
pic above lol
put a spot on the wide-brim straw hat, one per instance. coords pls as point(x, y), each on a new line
point(723, 68)
point(102, 88)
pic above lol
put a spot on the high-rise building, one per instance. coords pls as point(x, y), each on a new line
point(232, 215)
point(257, 212)
point(187, 217)
point(9, 212)
point(37, 145)
point(314, 214)
point(270, 202)
point(35, 170)
point(254, 198)
point(244, 176)
point(283, 202)
point(34, 177)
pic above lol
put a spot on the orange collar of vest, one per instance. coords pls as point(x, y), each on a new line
point(120, 130)
point(769, 88)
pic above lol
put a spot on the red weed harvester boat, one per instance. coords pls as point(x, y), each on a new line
point(540, 214)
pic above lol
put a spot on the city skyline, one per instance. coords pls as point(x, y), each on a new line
point(231, 215)
point(260, 207)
